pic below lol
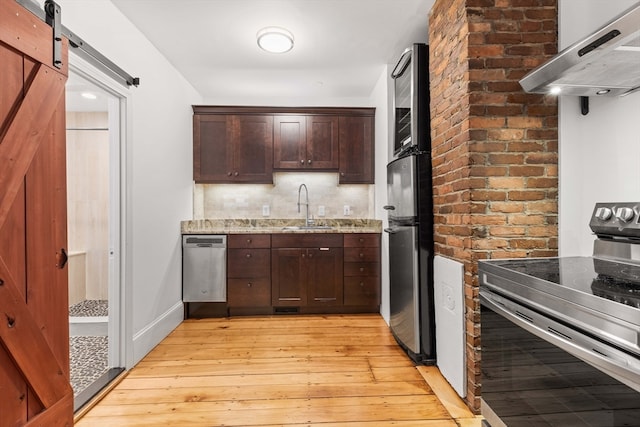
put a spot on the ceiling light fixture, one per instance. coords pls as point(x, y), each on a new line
point(88, 95)
point(555, 90)
point(275, 40)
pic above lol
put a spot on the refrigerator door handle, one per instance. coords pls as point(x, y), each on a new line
point(389, 208)
point(390, 230)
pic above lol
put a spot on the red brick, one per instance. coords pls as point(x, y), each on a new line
point(504, 86)
point(488, 195)
point(486, 50)
point(527, 243)
point(526, 171)
point(503, 38)
point(506, 134)
point(526, 195)
point(506, 158)
point(541, 14)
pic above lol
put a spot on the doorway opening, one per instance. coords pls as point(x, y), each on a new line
point(93, 229)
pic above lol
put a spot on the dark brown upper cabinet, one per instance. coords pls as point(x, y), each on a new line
point(232, 148)
point(305, 142)
point(245, 144)
point(356, 150)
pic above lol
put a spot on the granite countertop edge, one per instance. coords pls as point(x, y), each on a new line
point(272, 226)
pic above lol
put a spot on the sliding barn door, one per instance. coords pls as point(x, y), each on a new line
point(34, 331)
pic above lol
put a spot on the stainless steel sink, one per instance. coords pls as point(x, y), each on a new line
point(307, 227)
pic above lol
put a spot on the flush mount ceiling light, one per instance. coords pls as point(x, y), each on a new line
point(88, 95)
point(275, 40)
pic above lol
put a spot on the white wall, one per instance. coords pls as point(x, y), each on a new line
point(159, 168)
point(380, 98)
point(599, 154)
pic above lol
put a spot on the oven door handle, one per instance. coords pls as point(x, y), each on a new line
point(619, 365)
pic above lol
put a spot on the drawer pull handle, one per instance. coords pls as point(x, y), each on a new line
point(288, 299)
point(249, 285)
point(324, 249)
point(361, 269)
point(361, 255)
point(248, 240)
point(324, 299)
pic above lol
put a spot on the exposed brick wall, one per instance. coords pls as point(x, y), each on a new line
point(494, 147)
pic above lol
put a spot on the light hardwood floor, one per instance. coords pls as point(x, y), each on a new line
point(281, 371)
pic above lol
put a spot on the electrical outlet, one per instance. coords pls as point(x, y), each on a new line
point(321, 211)
point(266, 211)
point(347, 210)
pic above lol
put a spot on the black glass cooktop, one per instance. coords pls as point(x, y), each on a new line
point(604, 278)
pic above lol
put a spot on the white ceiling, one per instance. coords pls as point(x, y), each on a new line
point(340, 45)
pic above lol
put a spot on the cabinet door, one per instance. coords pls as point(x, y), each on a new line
point(322, 142)
point(356, 150)
point(253, 149)
point(289, 142)
point(288, 277)
point(212, 151)
point(324, 277)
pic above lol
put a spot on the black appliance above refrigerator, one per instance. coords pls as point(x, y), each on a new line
point(410, 210)
point(411, 117)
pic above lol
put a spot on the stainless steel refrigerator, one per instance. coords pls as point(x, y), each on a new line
point(410, 214)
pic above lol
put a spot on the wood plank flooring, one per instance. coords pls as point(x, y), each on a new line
point(280, 370)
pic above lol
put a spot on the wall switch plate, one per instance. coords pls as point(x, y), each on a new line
point(347, 210)
point(321, 211)
point(266, 211)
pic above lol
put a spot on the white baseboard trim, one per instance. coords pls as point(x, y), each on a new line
point(145, 340)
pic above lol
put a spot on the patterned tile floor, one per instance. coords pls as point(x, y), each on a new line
point(90, 307)
point(88, 354)
point(88, 360)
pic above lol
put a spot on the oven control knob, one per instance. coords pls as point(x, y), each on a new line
point(625, 214)
point(603, 214)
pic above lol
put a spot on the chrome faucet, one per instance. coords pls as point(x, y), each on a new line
point(307, 221)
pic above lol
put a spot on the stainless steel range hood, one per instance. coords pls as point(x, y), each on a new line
point(606, 63)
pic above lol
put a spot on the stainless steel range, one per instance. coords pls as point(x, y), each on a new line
point(561, 336)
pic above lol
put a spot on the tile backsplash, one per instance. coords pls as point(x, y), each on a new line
point(216, 201)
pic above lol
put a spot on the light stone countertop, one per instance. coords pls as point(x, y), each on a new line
point(272, 226)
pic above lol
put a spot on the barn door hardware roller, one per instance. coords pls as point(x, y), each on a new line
point(52, 12)
point(51, 15)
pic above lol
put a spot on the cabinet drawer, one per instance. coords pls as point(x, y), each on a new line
point(361, 268)
point(249, 241)
point(310, 240)
point(249, 292)
point(362, 291)
point(361, 240)
point(362, 254)
point(249, 263)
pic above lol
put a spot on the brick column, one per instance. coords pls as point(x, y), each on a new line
point(494, 147)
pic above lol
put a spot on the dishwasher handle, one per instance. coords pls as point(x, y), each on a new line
point(205, 241)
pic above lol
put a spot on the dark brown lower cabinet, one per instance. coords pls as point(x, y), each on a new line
point(249, 270)
point(362, 270)
point(306, 270)
point(305, 273)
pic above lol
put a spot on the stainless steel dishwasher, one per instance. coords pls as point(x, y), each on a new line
point(204, 268)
